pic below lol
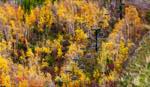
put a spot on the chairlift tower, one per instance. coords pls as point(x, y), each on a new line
point(121, 8)
point(98, 34)
point(97, 31)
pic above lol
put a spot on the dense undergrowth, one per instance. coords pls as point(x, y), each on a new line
point(50, 43)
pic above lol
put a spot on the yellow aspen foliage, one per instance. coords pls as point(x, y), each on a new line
point(4, 77)
point(3, 65)
point(65, 10)
point(37, 50)
point(56, 69)
point(3, 46)
point(118, 27)
point(11, 18)
point(105, 17)
point(20, 69)
point(31, 18)
point(44, 64)
point(111, 77)
point(80, 36)
point(60, 38)
point(20, 13)
point(40, 50)
point(23, 83)
point(96, 74)
point(5, 80)
point(122, 55)
point(82, 12)
point(61, 11)
point(42, 17)
point(80, 77)
point(58, 42)
point(29, 53)
point(2, 16)
point(74, 49)
point(12, 24)
point(45, 16)
point(107, 52)
point(59, 52)
point(57, 45)
point(46, 50)
point(10, 9)
point(30, 43)
point(132, 15)
point(117, 47)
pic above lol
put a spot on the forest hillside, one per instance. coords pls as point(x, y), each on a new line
point(74, 43)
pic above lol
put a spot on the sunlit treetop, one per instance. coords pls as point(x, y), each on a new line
point(82, 12)
point(132, 15)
